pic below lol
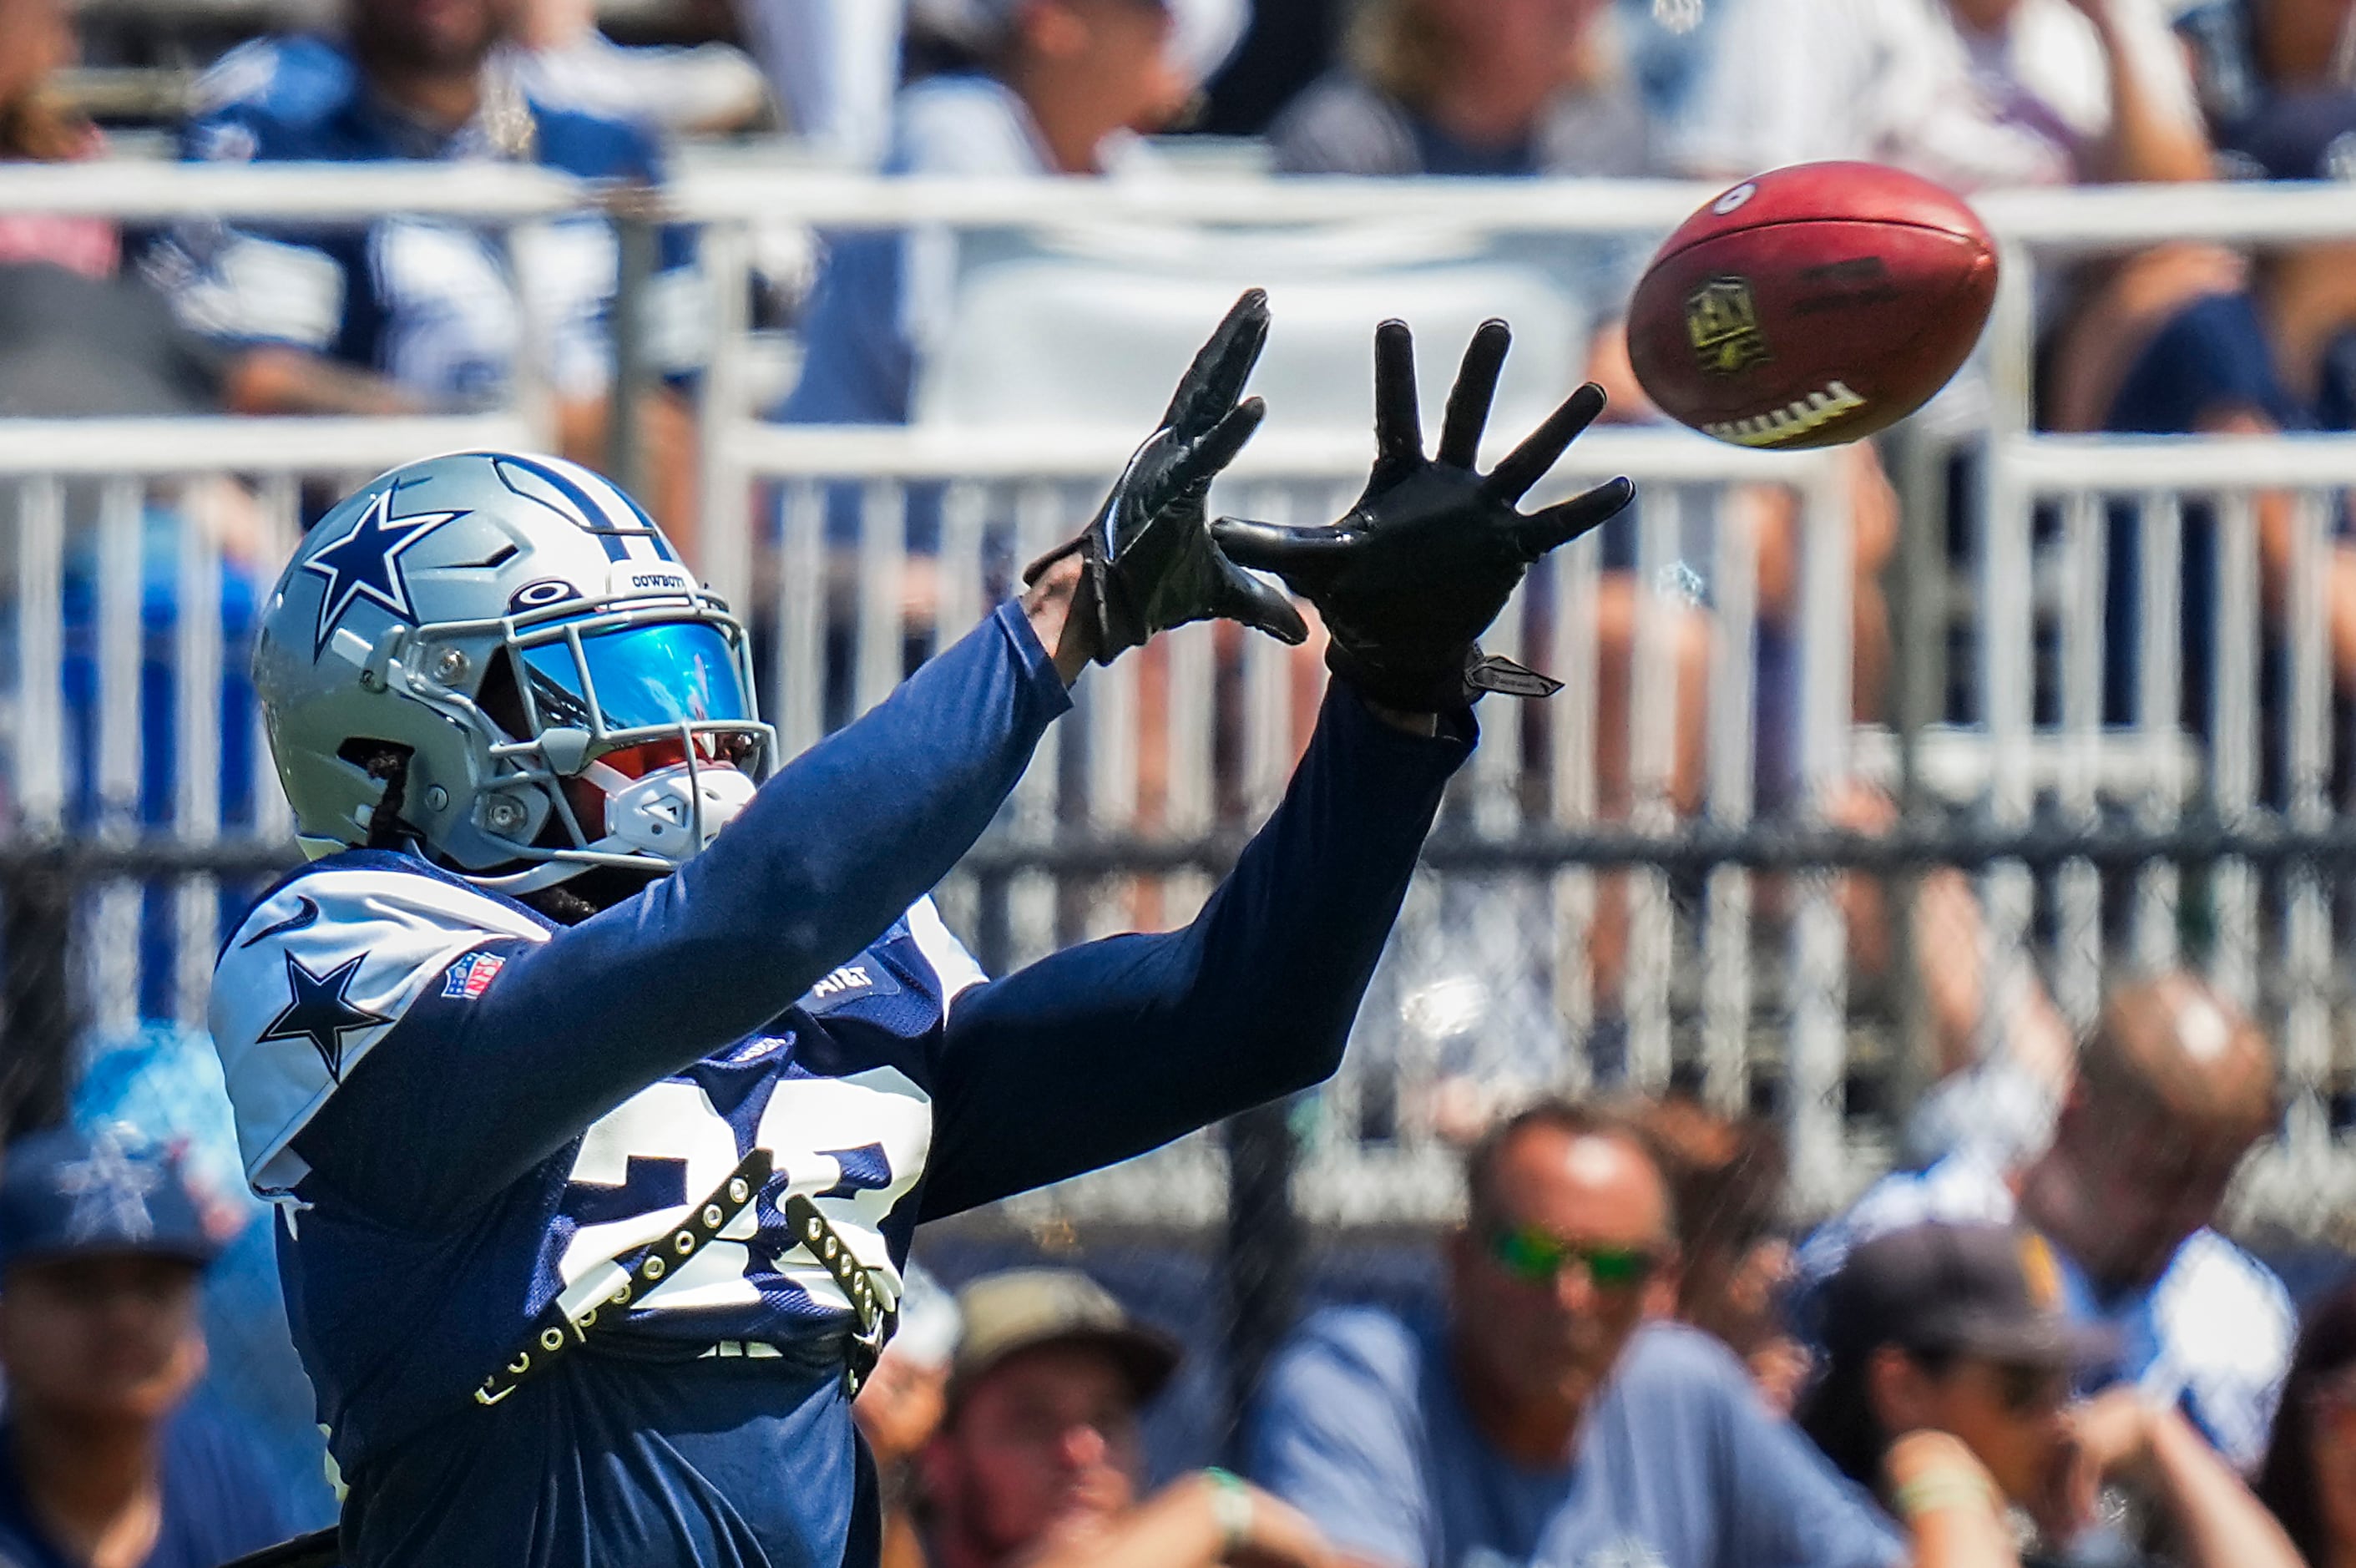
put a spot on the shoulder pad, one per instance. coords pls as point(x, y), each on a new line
point(318, 973)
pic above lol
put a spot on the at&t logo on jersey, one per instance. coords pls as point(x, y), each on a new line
point(849, 978)
point(850, 982)
point(472, 975)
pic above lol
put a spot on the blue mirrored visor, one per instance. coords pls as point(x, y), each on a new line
point(644, 676)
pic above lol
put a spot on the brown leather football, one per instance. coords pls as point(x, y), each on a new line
point(1812, 305)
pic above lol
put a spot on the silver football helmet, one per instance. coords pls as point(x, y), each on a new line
point(505, 651)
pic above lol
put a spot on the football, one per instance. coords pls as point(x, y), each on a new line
point(1812, 305)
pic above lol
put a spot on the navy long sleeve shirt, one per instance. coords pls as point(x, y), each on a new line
point(475, 1110)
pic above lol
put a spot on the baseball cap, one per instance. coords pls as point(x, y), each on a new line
point(65, 1192)
point(1974, 1290)
point(1022, 1309)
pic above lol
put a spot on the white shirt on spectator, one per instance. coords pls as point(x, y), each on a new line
point(1897, 82)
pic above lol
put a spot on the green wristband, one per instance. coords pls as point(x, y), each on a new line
point(1944, 1488)
point(1231, 1506)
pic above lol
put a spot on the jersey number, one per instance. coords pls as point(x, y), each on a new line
point(823, 1132)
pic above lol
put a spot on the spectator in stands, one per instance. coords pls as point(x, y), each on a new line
point(2279, 81)
point(2248, 54)
point(37, 125)
point(75, 337)
point(1039, 1461)
point(563, 61)
point(101, 1251)
point(2310, 1477)
point(1068, 84)
point(78, 338)
point(834, 66)
point(900, 1408)
point(406, 314)
point(1550, 1419)
point(1484, 87)
point(1959, 1330)
point(2172, 1088)
point(1726, 1183)
point(1972, 92)
point(1978, 94)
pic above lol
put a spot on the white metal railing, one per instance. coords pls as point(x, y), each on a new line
point(1736, 975)
point(115, 531)
point(1142, 755)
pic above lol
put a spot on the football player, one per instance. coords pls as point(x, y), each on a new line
point(603, 1068)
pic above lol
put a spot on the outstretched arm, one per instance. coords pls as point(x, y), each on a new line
point(1108, 1050)
point(824, 858)
point(827, 855)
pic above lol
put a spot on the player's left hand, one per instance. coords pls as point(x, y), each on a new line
point(1147, 560)
point(1409, 580)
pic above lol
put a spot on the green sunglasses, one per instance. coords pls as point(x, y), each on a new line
point(1535, 1258)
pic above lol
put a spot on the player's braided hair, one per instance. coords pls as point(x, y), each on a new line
point(388, 764)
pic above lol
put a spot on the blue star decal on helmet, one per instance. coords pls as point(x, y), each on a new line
point(110, 1192)
point(318, 1012)
point(365, 563)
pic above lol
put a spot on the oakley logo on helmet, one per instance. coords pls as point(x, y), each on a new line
point(539, 596)
point(366, 565)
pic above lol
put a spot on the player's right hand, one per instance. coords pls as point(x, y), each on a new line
point(1411, 578)
point(1148, 562)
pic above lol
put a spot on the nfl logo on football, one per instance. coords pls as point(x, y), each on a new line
point(1724, 326)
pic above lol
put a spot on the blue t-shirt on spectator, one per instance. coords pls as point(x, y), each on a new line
point(1678, 1465)
point(218, 1503)
point(2210, 357)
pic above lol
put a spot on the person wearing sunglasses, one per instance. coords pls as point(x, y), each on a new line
point(1556, 1416)
point(2171, 1090)
point(1959, 1331)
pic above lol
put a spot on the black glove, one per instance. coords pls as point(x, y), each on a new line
point(1148, 563)
point(1409, 580)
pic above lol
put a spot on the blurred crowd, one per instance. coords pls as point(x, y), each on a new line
point(407, 315)
point(1625, 1355)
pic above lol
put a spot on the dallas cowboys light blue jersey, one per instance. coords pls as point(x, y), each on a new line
point(437, 306)
point(468, 1109)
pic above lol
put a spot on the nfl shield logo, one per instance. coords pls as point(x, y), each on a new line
point(1723, 324)
point(472, 975)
